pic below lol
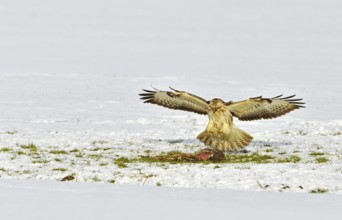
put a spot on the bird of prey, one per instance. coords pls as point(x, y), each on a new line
point(221, 133)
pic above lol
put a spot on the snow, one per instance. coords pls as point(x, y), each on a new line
point(70, 74)
point(52, 200)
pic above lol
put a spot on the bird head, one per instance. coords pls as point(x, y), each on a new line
point(216, 104)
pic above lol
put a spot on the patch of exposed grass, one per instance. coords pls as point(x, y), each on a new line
point(289, 159)
point(111, 181)
point(2, 169)
point(321, 160)
point(20, 153)
point(121, 162)
point(269, 150)
point(41, 161)
point(75, 150)
point(158, 184)
point(282, 153)
point(26, 172)
point(96, 179)
point(95, 156)
point(60, 169)
point(58, 152)
point(58, 160)
point(5, 149)
point(31, 147)
point(79, 155)
point(314, 154)
point(69, 177)
point(319, 190)
point(249, 158)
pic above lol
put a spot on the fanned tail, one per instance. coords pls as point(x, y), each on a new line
point(236, 139)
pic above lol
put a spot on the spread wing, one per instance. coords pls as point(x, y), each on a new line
point(176, 100)
point(264, 108)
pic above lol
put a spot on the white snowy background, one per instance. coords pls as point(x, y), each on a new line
point(70, 74)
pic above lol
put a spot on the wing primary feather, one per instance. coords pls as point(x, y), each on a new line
point(288, 97)
point(146, 97)
point(154, 88)
point(295, 99)
point(277, 97)
point(174, 89)
point(258, 97)
point(145, 94)
point(145, 90)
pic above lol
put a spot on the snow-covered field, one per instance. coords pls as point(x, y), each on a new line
point(71, 71)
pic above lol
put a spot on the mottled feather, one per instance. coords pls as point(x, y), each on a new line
point(264, 108)
point(175, 99)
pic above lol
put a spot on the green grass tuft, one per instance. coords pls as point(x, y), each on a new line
point(290, 159)
point(58, 160)
point(96, 179)
point(103, 164)
point(75, 150)
point(40, 161)
point(58, 152)
point(249, 158)
point(321, 160)
point(5, 149)
point(95, 156)
point(319, 190)
point(20, 152)
point(314, 154)
point(31, 147)
point(111, 181)
point(121, 162)
point(60, 169)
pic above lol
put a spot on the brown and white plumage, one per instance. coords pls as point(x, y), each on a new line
point(220, 132)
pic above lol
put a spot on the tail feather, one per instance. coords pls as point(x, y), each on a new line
point(236, 139)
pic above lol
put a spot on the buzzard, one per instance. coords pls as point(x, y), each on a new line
point(221, 133)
